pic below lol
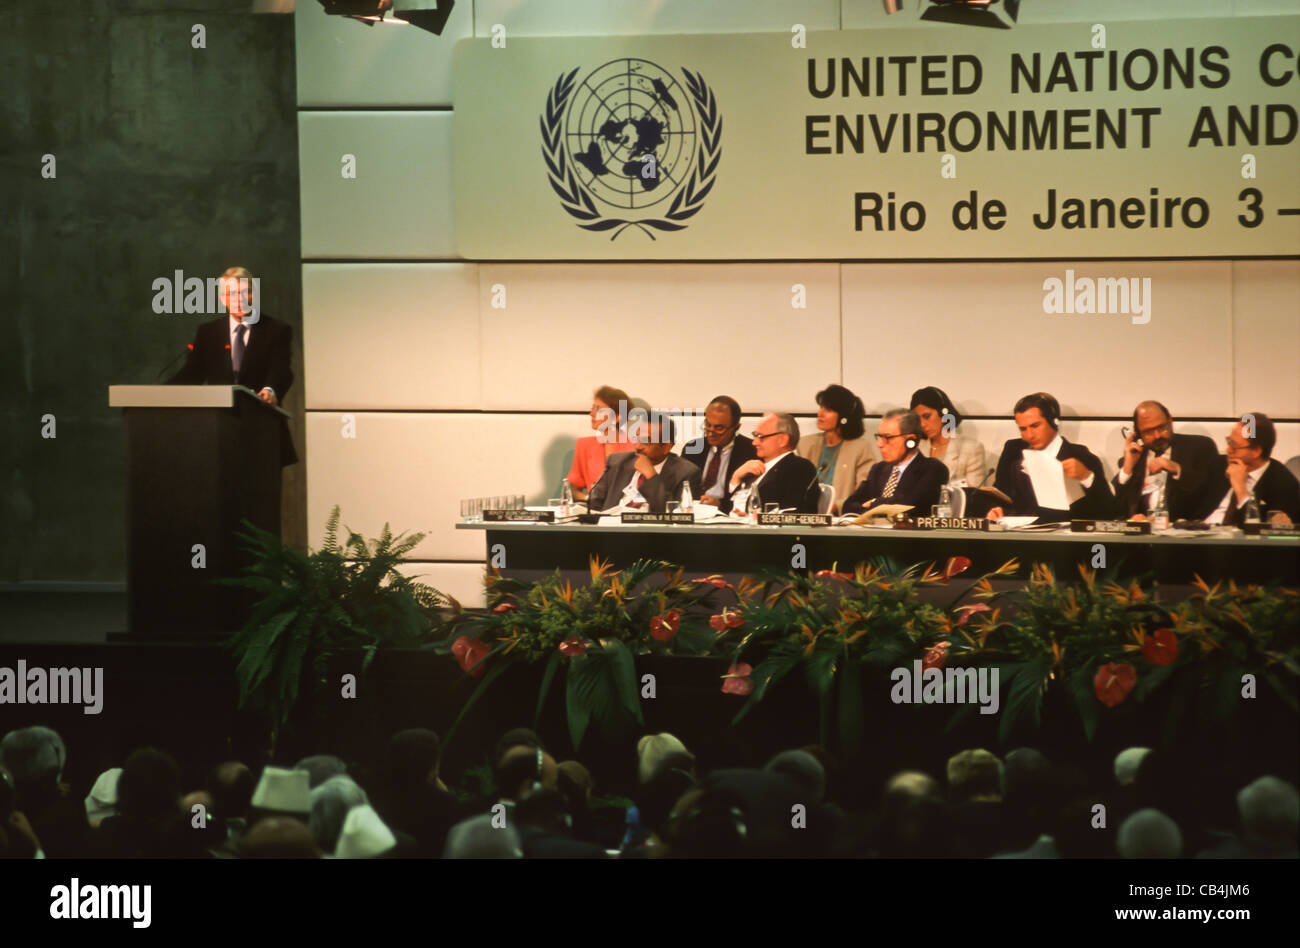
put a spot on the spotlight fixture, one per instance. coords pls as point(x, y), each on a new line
point(972, 13)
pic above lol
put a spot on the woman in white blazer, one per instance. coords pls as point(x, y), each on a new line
point(839, 450)
point(964, 457)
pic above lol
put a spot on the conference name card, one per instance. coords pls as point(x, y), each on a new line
point(637, 517)
point(793, 520)
point(952, 523)
point(1128, 527)
point(519, 516)
point(1271, 529)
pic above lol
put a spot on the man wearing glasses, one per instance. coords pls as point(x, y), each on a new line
point(1151, 450)
point(720, 451)
point(779, 475)
point(1249, 469)
point(905, 476)
point(646, 479)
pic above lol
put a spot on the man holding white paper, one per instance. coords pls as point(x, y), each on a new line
point(1045, 475)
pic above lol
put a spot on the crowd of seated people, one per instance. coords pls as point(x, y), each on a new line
point(918, 450)
point(713, 801)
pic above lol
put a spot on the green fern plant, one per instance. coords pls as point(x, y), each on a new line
point(347, 595)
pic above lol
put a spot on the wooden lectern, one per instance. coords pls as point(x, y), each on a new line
point(199, 460)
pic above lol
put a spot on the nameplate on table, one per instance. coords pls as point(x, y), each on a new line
point(631, 516)
point(952, 523)
point(519, 516)
point(1128, 527)
point(793, 520)
point(1270, 529)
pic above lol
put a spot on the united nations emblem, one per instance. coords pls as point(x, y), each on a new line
point(632, 142)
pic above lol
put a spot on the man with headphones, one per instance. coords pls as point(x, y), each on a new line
point(1151, 449)
point(905, 476)
point(1038, 416)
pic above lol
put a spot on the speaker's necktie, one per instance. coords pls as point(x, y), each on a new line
point(711, 475)
point(892, 484)
point(237, 350)
point(1230, 515)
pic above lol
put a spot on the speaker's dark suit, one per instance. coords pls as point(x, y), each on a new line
point(1195, 454)
point(792, 483)
point(657, 490)
point(1097, 502)
point(697, 452)
point(265, 364)
point(1276, 489)
point(918, 486)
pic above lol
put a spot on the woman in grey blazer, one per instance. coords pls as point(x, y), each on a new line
point(964, 457)
point(839, 450)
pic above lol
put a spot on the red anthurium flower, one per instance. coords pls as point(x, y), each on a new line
point(1113, 683)
point(968, 611)
point(1160, 647)
point(468, 651)
point(726, 619)
point(935, 657)
point(955, 565)
point(574, 646)
point(505, 607)
point(664, 627)
point(736, 681)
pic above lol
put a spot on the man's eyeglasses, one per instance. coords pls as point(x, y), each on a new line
point(885, 437)
point(1232, 446)
point(1148, 433)
point(719, 428)
point(759, 437)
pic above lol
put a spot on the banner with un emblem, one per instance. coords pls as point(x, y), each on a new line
point(1169, 139)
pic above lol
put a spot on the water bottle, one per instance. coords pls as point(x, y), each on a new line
point(566, 498)
point(944, 507)
point(1250, 510)
point(687, 500)
point(755, 503)
point(1159, 506)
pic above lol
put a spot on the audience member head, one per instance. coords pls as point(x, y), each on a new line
point(915, 821)
point(364, 834)
point(1149, 834)
point(709, 823)
point(514, 737)
point(546, 810)
point(34, 757)
point(1270, 815)
point(574, 781)
point(1127, 763)
point(330, 803)
point(477, 838)
point(656, 798)
point(232, 790)
point(974, 775)
point(651, 749)
point(931, 405)
point(320, 768)
point(283, 792)
point(804, 769)
point(150, 786)
point(413, 758)
point(278, 837)
point(523, 770)
point(721, 420)
point(101, 801)
point(840, 410)
point(1038, 416)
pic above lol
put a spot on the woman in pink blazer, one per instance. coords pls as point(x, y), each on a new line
point(609, 408)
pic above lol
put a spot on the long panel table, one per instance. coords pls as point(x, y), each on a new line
point(530, 548)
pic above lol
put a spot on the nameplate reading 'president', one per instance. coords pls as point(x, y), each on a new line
point(952, 523)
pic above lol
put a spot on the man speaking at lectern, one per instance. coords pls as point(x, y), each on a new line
point(245, 347)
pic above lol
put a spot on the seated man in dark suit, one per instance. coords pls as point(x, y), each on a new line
point(1152, 450)
point(905, 476)
point(647, 478)
point(779, 475)
point(245, 347)
point(1038, 416)
point(720, 451)
point(1249, 470)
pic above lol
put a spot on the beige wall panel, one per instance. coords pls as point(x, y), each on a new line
point(391, 336)
point(398, 206)
point(603, 17)
point(979, 332)
point(342, 62)
point(1266, 336)
point(674, 335)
